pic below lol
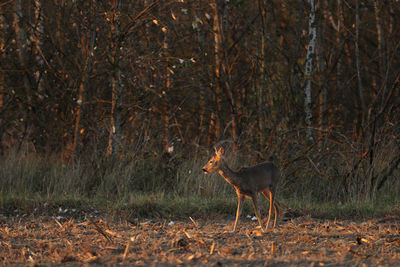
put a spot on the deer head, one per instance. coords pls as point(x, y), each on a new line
point(213, 164)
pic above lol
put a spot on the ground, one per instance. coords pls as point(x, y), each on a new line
point(306, 241)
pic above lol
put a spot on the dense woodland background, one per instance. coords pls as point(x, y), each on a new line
point(155, 84)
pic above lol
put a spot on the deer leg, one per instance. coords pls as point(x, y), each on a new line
point(268, 195)
point(238, 211)
point(276, 208)
point(254, 200)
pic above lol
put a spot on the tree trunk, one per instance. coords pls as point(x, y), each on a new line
point(381, 47)
point(88, 39)
point(166, 90)
point(312, 29)
point(227, 77)
point(261, 84)
point(340, 25)
point(358, 65)
point(37, 36)
point(215, 123)
point(202, 137)
point(116, 94)
point(22, 54)
point(2, 85)
point(323, 94)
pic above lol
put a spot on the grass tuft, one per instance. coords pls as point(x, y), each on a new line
point(151, 186)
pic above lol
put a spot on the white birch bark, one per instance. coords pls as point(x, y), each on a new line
point(312, 29)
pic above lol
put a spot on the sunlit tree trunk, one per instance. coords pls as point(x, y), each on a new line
point(312, 30)
point(264, 96)
point(116, 94)
point(78, 114)
point(88, 38)
point(37, 37)
point(202, 137)
point(166, 91)
point(226, 77)
point(261, 81)
point(214, 128)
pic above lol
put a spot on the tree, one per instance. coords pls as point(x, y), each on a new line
point(312, 32)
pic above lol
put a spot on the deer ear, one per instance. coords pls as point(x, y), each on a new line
point(220, 150)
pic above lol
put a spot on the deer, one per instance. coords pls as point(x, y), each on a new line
point(248, 182)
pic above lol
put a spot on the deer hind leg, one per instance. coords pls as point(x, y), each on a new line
point(254, 201)
point(274, 203)
point(276, 208)
point(268, 195)
point(238, 211)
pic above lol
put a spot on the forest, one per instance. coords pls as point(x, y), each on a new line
point(115, 99)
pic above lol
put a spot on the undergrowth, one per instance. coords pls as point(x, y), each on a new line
point(152, 185)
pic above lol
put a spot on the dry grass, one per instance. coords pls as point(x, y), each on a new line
point(301, 240)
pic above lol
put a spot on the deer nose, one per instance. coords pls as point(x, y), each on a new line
point(204, 170)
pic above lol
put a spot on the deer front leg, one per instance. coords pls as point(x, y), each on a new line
point(254, 201)
point(238, 211)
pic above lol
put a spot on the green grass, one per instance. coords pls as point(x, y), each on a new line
point(161, 205)
point(149, 186)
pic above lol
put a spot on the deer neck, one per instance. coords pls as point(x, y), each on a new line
point(228, 174)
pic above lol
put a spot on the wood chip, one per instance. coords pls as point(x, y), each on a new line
point(212, 248)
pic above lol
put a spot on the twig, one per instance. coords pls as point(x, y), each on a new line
point(59, 224)
point(212, 248)
point(272, 247)
point(193, 221)
point(3, 4)
point(126, 250)
point(98, 229)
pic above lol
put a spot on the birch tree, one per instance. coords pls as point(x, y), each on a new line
point(312, 31)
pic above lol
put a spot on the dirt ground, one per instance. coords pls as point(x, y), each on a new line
point(304, 241)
